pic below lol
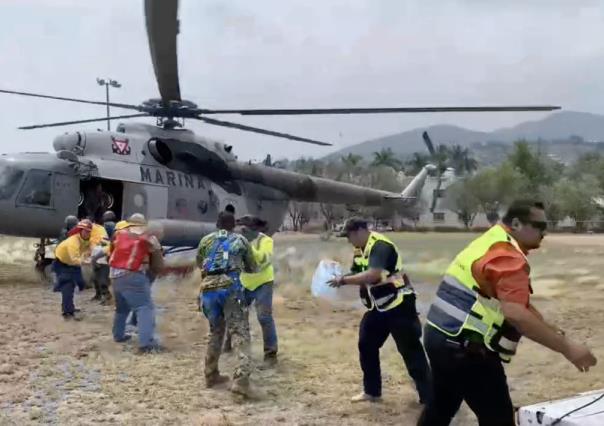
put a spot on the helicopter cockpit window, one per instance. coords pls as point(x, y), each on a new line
point(10, 178)
point(36, 189)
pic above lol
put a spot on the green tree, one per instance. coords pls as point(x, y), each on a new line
point(416, 163)
point(496, 187)
point(551, 199)
point(385, 157)
point(592, 164)
point(576, 198)
point(537, 169)
point(353, 167)
point(461, 199)
point(462, 161)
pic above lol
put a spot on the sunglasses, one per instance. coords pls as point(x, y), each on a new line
point(541, 226)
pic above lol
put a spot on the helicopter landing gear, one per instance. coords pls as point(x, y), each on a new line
point(43, 265)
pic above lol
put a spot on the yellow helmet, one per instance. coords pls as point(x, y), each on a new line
point(122, 224)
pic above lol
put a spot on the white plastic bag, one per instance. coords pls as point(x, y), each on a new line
point(327, 270)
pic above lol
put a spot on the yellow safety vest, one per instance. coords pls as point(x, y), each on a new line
point(460, 305)
point(262, 248)
point(391, 291)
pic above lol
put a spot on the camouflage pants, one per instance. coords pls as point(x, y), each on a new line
point(225, 308)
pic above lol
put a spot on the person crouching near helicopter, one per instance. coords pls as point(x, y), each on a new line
point(131, 285)
point(259, 285)
point(101, 235)
point(69, 256)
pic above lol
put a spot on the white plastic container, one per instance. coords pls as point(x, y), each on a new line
point(546, 413)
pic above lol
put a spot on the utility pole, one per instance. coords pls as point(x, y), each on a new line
point(108, 82)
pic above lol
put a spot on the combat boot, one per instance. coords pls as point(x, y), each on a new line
point(216, 379)
point(241, 388)
point(270, 361)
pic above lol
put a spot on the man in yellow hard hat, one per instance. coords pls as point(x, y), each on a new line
point(131, 247)
point(69, 256)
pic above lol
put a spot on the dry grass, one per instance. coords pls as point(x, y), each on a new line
point(59, 372)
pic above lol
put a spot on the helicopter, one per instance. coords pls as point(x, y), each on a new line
point(167, 172)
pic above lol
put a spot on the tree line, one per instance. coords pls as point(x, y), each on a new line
point(567, 190)
point(385, 170)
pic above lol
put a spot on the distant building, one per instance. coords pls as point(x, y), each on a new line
point(441, 216)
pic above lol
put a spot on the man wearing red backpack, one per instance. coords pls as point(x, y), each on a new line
point(131, 285)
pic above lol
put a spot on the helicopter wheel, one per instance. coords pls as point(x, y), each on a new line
point(108, 200)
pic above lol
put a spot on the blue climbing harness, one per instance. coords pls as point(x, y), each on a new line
point(218, 262)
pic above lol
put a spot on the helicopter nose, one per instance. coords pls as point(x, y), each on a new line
point(13, 221)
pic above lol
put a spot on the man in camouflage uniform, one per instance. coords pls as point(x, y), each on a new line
point(222, 256)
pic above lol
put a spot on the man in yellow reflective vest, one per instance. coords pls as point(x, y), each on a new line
point(482, 308)
point(259, 285)
point(390, 301)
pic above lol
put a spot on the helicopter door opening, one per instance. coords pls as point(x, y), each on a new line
point(99, 195)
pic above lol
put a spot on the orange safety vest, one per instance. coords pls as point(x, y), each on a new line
point(129, 251)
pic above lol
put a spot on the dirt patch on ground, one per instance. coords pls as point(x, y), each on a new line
point(57, 372)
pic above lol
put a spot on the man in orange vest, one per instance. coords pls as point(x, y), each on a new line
point(131, 285)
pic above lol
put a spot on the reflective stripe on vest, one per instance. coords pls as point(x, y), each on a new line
point(394, 286)
point(460, 306)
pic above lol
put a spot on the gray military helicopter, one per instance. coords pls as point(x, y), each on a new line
point(165, 170)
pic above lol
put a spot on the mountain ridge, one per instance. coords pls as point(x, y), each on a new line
point(559, 126)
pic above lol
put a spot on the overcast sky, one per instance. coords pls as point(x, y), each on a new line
point(301, 53)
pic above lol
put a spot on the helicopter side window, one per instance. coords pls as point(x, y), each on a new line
point(10, 178)
point(36, 189)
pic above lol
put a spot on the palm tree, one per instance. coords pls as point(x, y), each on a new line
point(417, 163)
point(351, 160)
point(386, 157)
point(462, 160)
point(308, 166)
point(351, 164)
point(442, 157)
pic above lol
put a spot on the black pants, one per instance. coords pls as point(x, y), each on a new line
point(474, 376)
point(404, 326)
point(100, 278)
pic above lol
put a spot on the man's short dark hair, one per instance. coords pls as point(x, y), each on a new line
point(353, 224)
point(225, 221)
point(521, 209)
point(251, 221)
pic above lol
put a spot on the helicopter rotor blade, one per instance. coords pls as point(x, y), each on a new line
point(61, 98)
point(429, 143)
point(92, 120)
point(261, 131)
point(161, 17)
point(318, 111)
